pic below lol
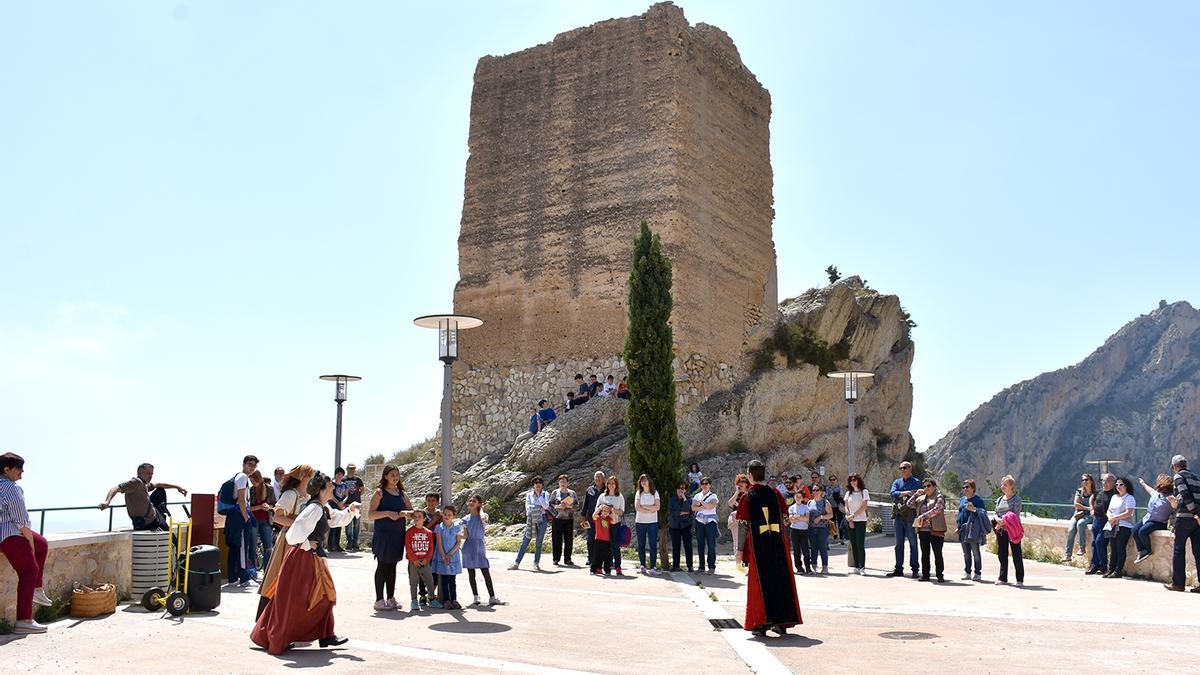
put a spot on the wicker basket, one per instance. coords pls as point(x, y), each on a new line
point(89, 601)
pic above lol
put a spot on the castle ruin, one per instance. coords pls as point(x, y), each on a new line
point(572, 144)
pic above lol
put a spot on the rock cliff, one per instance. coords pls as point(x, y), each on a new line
point(1136, 398)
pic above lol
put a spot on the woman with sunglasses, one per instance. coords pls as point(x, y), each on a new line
point(973, 528)
point(1081, 520)
point(743, 484)
point(1120, 523)
point(930, 507)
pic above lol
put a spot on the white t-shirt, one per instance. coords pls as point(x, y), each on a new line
point(854, 501)
point(708, 509)
point(799, 509)
point(242, 482)
point(1118, 504)
point(646, 499)
point(617, 502)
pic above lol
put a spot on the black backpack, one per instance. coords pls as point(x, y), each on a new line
point(226, 496)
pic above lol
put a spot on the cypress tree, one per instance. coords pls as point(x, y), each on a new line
point(653, 438)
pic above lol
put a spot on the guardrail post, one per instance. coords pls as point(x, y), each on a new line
point(42, 523)
point(110, 519)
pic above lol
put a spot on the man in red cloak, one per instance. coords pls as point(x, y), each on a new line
point(771, 602)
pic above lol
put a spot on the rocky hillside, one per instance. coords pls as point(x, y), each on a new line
point(1136, 398)
point(789, 415)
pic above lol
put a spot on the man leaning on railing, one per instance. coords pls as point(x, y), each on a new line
point(146, 511)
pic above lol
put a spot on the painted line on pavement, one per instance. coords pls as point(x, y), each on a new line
point(754, 654)
point(412, 652)
point(966, 614)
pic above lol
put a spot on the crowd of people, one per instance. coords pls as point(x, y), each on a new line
point(542, 413)
point(286, 525)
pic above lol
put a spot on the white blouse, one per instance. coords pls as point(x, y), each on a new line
point(854, 502)
point(307, 521)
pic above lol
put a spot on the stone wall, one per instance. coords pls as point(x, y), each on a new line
point(492, 404)
point(1052, 533)
point(91, 559)
point(572, 144)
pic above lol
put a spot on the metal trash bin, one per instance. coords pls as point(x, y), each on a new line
point(204, 577)
point(151, 561)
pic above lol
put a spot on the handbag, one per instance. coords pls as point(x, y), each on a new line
point(621, 535)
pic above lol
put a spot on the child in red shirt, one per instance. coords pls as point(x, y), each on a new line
point(418, 544)
point(602, 548)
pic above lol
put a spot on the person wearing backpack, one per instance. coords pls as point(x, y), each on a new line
point(234, 504)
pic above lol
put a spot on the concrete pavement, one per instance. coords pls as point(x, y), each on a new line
point(565, 620)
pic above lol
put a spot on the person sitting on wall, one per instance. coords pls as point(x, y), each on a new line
point(139, 500)
point(623, 390)
point(581, 387)
point(535, 420)
point(545, 412)
point(594, 387)
point(609, 387)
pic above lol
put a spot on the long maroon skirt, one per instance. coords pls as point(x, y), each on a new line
point(287, 617)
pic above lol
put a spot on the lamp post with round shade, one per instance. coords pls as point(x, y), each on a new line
point(850, 380)
point(447, 326)
point(339, 397)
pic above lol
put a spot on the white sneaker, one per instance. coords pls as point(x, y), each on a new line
point(977, 577)
point(862, 571)
point(652, 572)
point(476, 600)
point(39, 598)
point(493, 601)
point(28, 627)
point(382, 606)
point(1141, 557)
point(537, 567)
point(1020, 584)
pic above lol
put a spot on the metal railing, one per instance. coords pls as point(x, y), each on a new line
point(110, 509)
point(1063, 511)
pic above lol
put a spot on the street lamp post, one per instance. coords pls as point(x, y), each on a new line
point(447, 326)
point(850, 380)
point(339, 396)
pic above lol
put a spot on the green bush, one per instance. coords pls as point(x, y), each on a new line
point(801, 345)
point(414, 452)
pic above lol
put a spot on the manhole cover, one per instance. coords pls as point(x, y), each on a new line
point(725, 624)
point(907, 635)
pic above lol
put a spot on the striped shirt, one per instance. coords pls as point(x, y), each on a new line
point(1187, 490)
point(13, 515)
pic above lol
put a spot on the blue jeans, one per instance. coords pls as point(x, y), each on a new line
point(905, 532)
point(971, 555)
point(262, 529)
point(238, 537)
point(647, 531)
point(1141, 534)
point(1099, 545)
point(818, 538)
point(352, 530)
point(539, 530)
point(1076, 528)
point(706, 538)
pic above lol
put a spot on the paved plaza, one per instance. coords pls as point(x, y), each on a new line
point(563, 620)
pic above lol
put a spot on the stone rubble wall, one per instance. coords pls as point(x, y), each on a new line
point(491, 405)
point(90, 559)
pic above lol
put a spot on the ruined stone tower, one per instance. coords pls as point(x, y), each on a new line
point(572, 144)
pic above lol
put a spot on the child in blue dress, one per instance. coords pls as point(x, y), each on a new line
point(474, 551)
point(447, 557)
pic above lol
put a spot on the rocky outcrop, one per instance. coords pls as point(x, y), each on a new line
point(795, 417)
point(575, 429)
point(572, 144)
point(1136, 398)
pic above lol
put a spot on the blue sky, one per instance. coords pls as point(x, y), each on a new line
point(204, 206)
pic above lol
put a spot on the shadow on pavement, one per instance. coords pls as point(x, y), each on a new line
point(315, 658)
point(471, 627)
point(789, 640)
